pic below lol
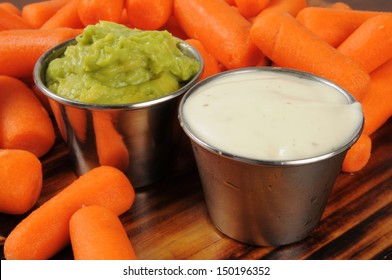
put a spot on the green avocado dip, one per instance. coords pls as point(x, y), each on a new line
point(113, 64)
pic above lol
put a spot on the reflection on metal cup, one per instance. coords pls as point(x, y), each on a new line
point(265, 202)
point(265, 205)
point(140, 138)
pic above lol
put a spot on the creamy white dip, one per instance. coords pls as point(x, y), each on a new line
point(266, 115)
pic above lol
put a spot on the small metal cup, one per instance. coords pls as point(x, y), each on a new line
point(140, 138)
point(266, 203)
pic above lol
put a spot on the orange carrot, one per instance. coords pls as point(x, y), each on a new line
point(38, 13)
point(289, 44)
point(98, 234)
point(230, 2)
point(66, 16)
point(221, 29)
point(280, 6)
point(124, 19)
point(20, 181)
point(38, 93)
point(24, 123)
point(20, 49)
point(371, 43)
point(148, 15)
point(10, 7)
point(92, 11)
point(341, 5)
point(211, 65)
point(251, 8)
point(111, 148)
point(331, 24)
point(173, 26)
point(45, 231)
point(10, 21)
point(358, 155)
point(377, 103)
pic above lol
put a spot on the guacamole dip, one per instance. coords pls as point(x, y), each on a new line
point(113, 64)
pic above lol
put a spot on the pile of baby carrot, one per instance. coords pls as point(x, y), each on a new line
point(350, 47)
point(85, 214)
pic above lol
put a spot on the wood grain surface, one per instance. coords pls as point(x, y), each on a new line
point(169, 219)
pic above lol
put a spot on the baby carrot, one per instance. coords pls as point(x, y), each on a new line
point(211, 65)
point(10, 21)
point(331, 24)
point(20, 181)
point(148, 15)
point(251, 8)
point(341, 5)
point(289, 44)
point(98, 234)
point(21, 48)
point(38, 13)
point(10, 7)
point(358, 155)
point(221, 29)
point(377, 103)
point(24, 123)
point(38, 93)
point(124, 19)
point(371, 43)
point(92, 11)
point(281, 6)
point(173, 26)
point(46, 230)
point(111, 148)
point(66, 16)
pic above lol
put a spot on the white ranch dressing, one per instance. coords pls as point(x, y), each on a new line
point(265, 115)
